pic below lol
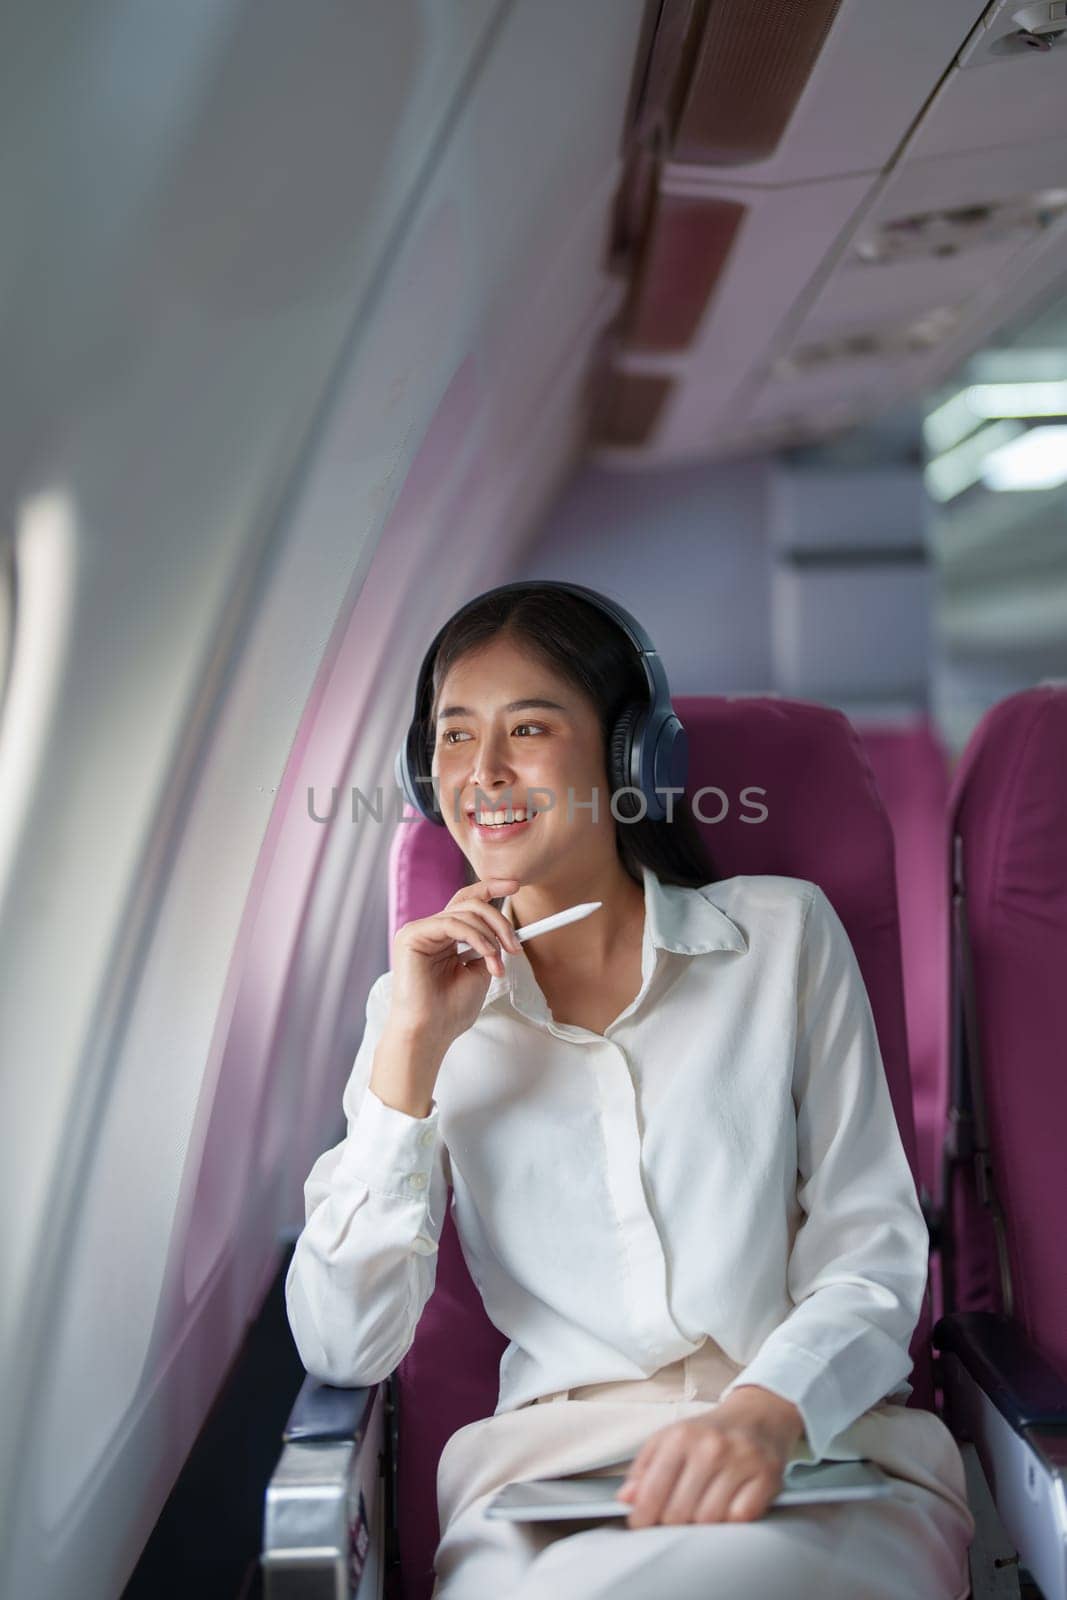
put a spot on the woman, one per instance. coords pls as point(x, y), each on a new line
point(678, 1179)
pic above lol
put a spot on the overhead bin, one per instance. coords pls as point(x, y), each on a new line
point(820, 213)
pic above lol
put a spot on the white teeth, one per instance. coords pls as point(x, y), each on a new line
point(493, 819)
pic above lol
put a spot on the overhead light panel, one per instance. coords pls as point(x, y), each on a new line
point(1009, 29)
point(949, 474)
point(1036, 460)
point(954, 230)
point(1018, 399)
point(883, 343)
point(981, 402)
point(948, 423)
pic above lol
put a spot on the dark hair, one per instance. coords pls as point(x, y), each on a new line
point(577, 640)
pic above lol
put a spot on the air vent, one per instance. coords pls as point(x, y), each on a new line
point(871, 344)
point(754, 60)
point(684, 253)
point(627, 407)
point(930, 234)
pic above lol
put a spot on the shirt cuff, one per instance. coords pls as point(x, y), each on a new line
point(796, 1375)
point(390, 1151)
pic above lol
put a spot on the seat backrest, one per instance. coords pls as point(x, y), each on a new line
point(1008, 806)
point(911, 768)
point(782, 786)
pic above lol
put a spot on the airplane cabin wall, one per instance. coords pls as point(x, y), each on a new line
point(686, 550)
point(760, 576)
point(237, 518)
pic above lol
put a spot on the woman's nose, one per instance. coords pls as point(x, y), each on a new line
point(492, 768)
point(493, 782)
point(497, 786)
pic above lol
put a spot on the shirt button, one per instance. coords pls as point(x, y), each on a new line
point(427, 1136)
point(417, 1180)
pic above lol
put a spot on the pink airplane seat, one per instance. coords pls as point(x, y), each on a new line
point(824, 822)
point(1003, 1339)
point(911, 768)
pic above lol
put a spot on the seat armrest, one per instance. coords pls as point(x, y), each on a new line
point(1003, 1362)
point(326, 1521)
point(324, 1411)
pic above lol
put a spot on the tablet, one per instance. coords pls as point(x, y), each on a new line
point(804, 1483)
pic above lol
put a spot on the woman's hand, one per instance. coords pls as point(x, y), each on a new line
point(436, 994)
point(724, 1467)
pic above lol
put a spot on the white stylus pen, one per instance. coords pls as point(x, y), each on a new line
point(546, 924)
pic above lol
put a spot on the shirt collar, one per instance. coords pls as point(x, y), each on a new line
point(686, 921)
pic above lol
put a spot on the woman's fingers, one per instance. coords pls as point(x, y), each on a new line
point(699, 1475)
point(751, 1501)
point(471, 929)
point(712, 1502)
point(497, 923)
point(492, 918)
point(476, 898)
point(710, 1477)
point(483, 941)
point(659, 1471)
point(487, 889)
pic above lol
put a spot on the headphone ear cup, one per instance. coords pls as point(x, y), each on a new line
point(670, 763)
point(419, 794)
point(430, 807)
point(620, 753)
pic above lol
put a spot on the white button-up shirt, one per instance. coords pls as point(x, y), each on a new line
point(723, 1160)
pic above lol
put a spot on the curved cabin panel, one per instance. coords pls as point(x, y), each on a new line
point(321, 321)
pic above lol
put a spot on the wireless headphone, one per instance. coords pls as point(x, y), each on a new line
point(648, 747)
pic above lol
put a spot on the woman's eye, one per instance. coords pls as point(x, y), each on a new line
point(447, 736)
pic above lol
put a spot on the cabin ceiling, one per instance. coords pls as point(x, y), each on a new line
point(886, 193)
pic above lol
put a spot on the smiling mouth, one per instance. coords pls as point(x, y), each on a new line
point(502, 830)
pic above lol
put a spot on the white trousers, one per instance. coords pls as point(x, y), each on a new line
point(911, 1547)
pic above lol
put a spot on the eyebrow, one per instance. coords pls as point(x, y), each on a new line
point(512, 705)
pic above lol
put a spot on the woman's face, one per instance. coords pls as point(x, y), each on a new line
point(546, 758)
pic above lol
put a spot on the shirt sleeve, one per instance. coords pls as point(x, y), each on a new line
point(365, 1263)
point(858, 1267)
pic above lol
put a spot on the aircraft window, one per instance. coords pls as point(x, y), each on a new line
point(36, 577)
point(7, 615)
